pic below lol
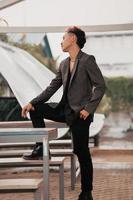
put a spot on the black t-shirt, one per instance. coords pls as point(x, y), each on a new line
point(69, 113)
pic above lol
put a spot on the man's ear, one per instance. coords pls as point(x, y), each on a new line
point(75, 38)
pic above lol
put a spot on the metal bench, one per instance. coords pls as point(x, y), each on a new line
point(20, 162)
point(33, 135)
point(67, 153)
point(54, 153)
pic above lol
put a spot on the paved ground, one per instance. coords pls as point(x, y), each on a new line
point(109, 184)
point(113, 184)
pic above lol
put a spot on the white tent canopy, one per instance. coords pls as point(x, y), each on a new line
point(7, 3)
point(26, 76)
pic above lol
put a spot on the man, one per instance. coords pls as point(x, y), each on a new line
point(83, 89)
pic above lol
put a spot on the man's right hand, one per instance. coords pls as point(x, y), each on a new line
point(26, 109)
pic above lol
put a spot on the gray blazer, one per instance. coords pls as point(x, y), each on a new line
point(86, 86)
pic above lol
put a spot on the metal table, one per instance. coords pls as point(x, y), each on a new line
point(33, 135)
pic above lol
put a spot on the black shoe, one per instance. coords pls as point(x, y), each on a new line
point(36, 154)
point(85, 196)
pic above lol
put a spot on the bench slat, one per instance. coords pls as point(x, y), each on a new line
point(20, 162)
point(60, 142)
point(13, 153)
point(61, 151)
point(18, 124)
point(30, 144)
point(18, 144)
point(20, 184)
point(18, 153)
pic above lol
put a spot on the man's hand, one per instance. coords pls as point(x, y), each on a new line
point(84, 114)
point(26, 109)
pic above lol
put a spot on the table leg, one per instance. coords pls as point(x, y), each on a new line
point(46, 167)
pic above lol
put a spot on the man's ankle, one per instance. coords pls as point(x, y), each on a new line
point(85, 195)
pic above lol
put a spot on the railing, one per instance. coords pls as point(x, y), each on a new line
point(60, 29)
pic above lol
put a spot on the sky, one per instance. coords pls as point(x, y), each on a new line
point(68, 12)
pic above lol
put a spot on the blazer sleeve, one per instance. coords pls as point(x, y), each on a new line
point(97, 82)
point(50, 90)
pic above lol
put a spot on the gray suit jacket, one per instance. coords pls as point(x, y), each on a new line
point(86, 86)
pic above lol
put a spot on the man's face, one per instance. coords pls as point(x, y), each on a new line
point(67, 41)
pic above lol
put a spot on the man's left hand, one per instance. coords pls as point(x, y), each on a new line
point(84, 114)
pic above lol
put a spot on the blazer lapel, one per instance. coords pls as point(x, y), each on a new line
point(67, 66)
point(73, 71)
point(66, 70)
point(75, 66)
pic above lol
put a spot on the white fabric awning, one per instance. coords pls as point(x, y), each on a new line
point(26, 76)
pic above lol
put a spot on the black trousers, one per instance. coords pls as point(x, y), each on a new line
point(80, 136)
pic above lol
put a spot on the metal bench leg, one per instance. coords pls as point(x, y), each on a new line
point(73, 171)
point(37, 194)
point(61, 182)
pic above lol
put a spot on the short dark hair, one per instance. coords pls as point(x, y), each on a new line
point(80, 34)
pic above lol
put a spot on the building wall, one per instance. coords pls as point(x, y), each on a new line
point(116, 48)
point(113, 52)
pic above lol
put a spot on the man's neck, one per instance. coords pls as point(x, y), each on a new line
point(73, 53)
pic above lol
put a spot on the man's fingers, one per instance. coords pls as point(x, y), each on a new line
point(23, 113)
point(84, 114)
point(84, 117)
point(32, 108)
point(81, 116)
point(26, 109)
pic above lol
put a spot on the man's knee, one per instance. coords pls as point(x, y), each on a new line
point(32, 114)
point(81, 152)
point(35, 113)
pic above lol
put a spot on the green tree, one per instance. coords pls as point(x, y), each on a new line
point(37, 52)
